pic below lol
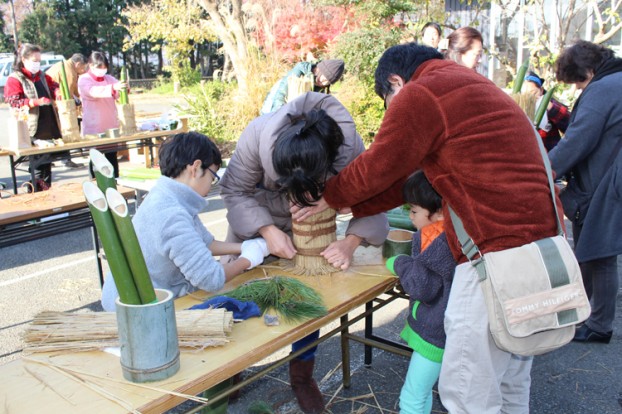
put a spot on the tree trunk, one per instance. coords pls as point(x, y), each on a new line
point(229, 27)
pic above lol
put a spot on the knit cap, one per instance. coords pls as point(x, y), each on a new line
point(332, 69)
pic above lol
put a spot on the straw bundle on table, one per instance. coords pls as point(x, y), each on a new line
point(527, 102)
point(127, 119)
point(296, 86)
point(62, 331)
point(68, 117)
point(311, 237)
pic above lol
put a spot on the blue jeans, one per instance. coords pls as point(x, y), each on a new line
point(309, 354)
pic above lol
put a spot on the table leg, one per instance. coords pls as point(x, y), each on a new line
point(345, 353)
point(100, 270)
point(13, 176)
point(369, 331)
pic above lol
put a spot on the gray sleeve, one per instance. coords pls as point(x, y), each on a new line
point(372, 229)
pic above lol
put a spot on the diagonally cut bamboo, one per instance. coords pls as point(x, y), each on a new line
point(104, 171)
point(112, 245)
point(131, 246)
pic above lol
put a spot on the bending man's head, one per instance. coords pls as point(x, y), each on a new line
point(303, 156)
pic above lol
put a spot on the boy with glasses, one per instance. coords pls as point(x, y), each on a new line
point(178, 249)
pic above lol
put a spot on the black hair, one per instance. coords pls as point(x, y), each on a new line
point(434, 25)
point(576, 61)
point(303, 156)
point(402, 60)
point(25, 51)
point(534, 78)
point(181, 150)
point(418, 190)
point(98, 59)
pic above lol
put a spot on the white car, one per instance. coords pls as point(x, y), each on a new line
point(6, 66)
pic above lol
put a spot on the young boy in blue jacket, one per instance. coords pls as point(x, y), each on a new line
point(426, 277)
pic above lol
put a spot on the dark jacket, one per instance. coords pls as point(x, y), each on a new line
point(590, 139)
point(426, 277)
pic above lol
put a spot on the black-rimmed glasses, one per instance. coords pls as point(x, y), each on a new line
point(216, 177)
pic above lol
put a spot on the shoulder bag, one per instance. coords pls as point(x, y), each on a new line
point(534, 293)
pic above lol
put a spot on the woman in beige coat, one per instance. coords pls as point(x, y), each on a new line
point(285, 157)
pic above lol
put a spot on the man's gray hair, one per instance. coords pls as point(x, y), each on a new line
point(78, 58)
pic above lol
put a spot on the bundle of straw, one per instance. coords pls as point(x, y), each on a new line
point(125, 110)
point(527, 102)
point(67, 111)
point(62, 331)
point(312, 237)
point(296, 86)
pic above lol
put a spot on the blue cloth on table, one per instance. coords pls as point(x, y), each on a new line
point(241, 310)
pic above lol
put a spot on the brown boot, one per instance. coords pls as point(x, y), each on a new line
point(304, 386)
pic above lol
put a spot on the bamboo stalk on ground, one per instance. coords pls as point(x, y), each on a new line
point(131, 246)
point(115, 255)
point(103, 169)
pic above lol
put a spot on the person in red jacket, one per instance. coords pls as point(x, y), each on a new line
point(556, 117)
point(480, 153)
point(28, 86)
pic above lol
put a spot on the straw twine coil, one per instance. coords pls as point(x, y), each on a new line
point(312, 237)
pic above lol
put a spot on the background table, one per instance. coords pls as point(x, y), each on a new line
point(138, 140)
point(30, 387)
point(62, 208)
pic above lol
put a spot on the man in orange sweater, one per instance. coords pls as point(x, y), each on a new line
point(479, 151)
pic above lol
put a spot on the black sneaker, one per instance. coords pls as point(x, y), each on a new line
point(585, 334)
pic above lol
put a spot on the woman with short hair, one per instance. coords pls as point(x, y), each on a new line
point(589, 155)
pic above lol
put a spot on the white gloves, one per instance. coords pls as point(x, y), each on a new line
point(254, 251)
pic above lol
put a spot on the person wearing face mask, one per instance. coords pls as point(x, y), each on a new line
point(74, 67)
point(98, 91)
point(28, 86)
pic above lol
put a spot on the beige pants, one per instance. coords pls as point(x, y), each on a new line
point(476, 376)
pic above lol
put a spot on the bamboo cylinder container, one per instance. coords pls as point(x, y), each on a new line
point(311, 237)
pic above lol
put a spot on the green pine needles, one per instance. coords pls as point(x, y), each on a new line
point(290, 298)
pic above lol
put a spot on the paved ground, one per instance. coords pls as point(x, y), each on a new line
point(59, 273)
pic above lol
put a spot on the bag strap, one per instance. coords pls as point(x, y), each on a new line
point(468, 246)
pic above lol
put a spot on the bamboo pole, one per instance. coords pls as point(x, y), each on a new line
point(112, 245)
point(520, 77)
point(104, 171)
point(131, 246)
point(544, 103)
point(63, 82)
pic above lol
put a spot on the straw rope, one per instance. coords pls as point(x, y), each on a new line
point(311, 237)
point(62, 331)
